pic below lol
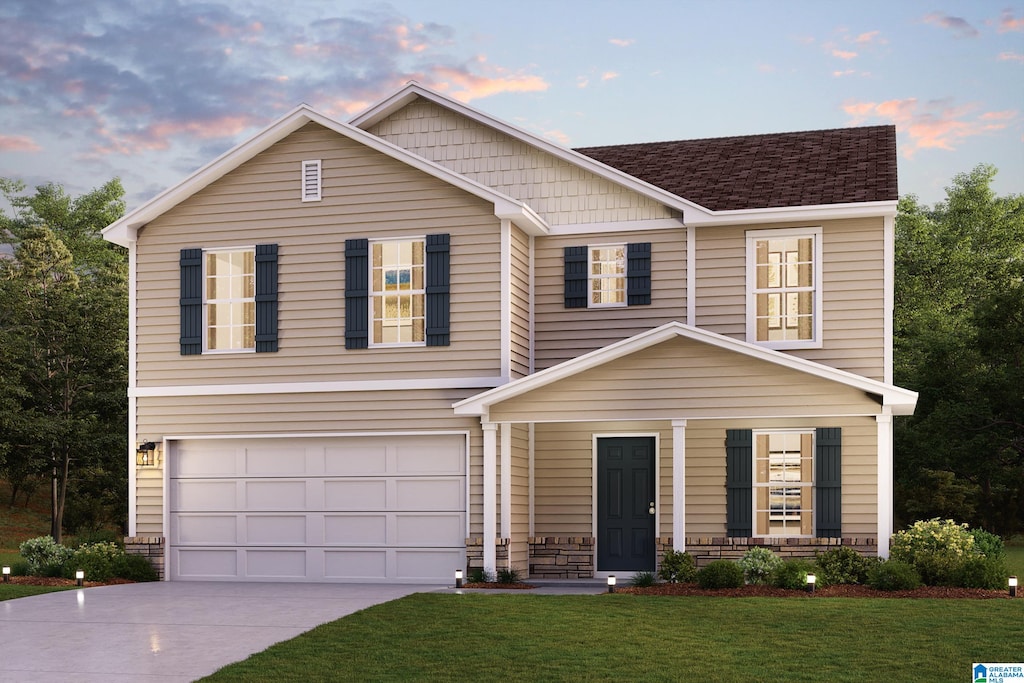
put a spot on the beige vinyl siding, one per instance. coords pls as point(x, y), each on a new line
point(365, 195)
point(561, 192)
point(562, 333)
point(852, 291)
point(684, 378)
point(520, 299)
point(519, 551)
point(309, 414)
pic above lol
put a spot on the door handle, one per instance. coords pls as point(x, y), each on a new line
point(650, 508)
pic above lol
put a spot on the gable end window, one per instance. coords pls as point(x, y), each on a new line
point(784, 288)
point(607, 275)
point(229, 300)
point(311, 181)
point(397, 292)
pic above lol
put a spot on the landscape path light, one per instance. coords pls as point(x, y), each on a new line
point(79, 578)
point(458, 578)
point(7, 574)
point(1012, 583)
point(611, 583)
point(811, 581)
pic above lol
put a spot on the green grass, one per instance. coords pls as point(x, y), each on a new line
point(12, 591)
point(431, 637)
point(1015, 560)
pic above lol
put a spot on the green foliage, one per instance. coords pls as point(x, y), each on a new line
point(95, 559)
point(893, 575)
point(677, 567)
point(99, 536)
point(792, 574)
point(479, 575)
point(758, 564)
point(929, 537)
point(44, 556)
point(720, 574)
point(643, 579)
point(132, 568)
point(979, 571)
point(988, 544)
point(19, 568)
point(508, 575)
point(959, 340)
point(949, 554)
point(842, 565)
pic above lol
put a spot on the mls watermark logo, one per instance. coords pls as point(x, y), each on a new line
point(997, 673)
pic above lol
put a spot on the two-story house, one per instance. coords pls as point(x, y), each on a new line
point(381, 350)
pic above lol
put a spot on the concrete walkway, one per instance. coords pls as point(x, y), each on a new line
point(166, 631)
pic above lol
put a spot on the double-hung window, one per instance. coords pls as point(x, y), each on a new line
point(783, 483)
point(784, 288)
point(230, 296)
point(608, 275)
point(398, 292)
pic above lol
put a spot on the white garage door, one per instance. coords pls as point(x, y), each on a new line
point(303, 509)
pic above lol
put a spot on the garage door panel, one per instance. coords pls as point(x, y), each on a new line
point(428, 459)
point(426, 564)
point(356, 494)
point(204, 496)
point(275, 495)
point(358, 459)
point(356, 564)
point(206, 563)
point(205, 529)
point(275, 564)
point(355, 529)
point(273, 529)
point(429, 494)
point(428, 530)
point(277, 461)
point(206, 460)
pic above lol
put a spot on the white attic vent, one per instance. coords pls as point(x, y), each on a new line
point(311, 181)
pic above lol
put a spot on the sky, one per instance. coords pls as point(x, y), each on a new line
point(150, 91)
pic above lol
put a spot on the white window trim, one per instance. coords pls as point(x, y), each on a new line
point(372, 293)
point(813, 484)
point(206, 308)
point(309, 196)
point(591, 277)
point(751, 270)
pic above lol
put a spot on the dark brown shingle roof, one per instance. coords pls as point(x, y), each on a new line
point(766, 171)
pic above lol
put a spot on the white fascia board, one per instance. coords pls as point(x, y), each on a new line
point(788, 214)
point(316, 387)
point(119, 232)
point(901, 401)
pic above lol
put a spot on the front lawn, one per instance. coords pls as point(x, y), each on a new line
point(10, 591)
point(626, 637)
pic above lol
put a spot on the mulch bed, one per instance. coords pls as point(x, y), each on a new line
point(842, 591)
point(54, 581)
point(495, 584)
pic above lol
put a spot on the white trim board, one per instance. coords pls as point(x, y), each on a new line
point(317, 387)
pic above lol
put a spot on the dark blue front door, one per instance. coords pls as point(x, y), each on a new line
point(625, 500)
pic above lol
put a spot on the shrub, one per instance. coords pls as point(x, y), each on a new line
point(44, 556)
point(929, 537)
point(945, 553)
point(133, 568)
point(988, 544)
point(841, 565)
point(758, 564)
point(720, 574)
point(508, 575)
point(893, 575)
point(792, 574)
point(480, 575)
point(677, 567)
point(982, 572)
point(95, 559)
point(99, 536)
point(19, 568)
point(643, 579)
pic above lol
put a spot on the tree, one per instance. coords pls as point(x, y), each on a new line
point(959, 339)
point(63, 351)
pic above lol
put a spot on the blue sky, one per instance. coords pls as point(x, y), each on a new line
point(150, 91)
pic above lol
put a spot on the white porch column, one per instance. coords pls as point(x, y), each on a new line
point(506, 481)
point(885, 492)
point(679, 485)
point(490, 494)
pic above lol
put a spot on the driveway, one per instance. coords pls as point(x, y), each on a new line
point(166, 631)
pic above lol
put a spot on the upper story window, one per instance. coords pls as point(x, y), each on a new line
point(784, 288)
point(230, 297)
point(784, 483)
point(398, 292)
point(607, 275)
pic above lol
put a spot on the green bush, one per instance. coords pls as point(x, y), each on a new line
point(95, 559)
point(720, 574)
point(19, 568)
point(893, 575)
point(643, 579)
point(677, 567)
point(480, 575)
point(45, 557)
point(988, 544)
point(758, 565)
point(842, 565)
point(792, 574)
point(945, 553)
point(508, 575)
point(929, 537)
point(99, 536)
point(133, 568)
point(982, 572)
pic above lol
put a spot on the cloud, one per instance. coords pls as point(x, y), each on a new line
point(464, 86)
point(844, 54)
point(557, 136)
point(930, 125)
point(582, 81)
point(847, 72)
point(869, 37)
point(1010, 57)
point(609, 75)
point(18, 143)
point(621, 42)
point(960, 27)
point(1008, 22)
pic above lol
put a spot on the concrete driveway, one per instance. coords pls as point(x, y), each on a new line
point(166, 631)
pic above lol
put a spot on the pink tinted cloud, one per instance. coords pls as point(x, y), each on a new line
point(558, 136)
point(930, 125)
point(844, 54)
point(159, 134)
point(621, 42)
point(1008, 22)
point(960, 27)
point(407, 41)
point(869, 37)
point(465, 86)
point(609, 75)
point(1010, 57)
point(18, 143)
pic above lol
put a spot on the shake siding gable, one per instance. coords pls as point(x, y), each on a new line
point(366, 195)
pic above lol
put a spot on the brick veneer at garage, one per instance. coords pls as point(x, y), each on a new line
point(150, 547)
point(562, 557)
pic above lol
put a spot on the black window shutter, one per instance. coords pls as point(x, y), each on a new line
point(191, 300)
point(357, 294)
point(437, 291)
point(739, 481)
point(576, 277)
point(638, 274)
point(828, 482)
point(266, 297)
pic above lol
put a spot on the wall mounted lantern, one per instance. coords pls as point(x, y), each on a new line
point(146, 454)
